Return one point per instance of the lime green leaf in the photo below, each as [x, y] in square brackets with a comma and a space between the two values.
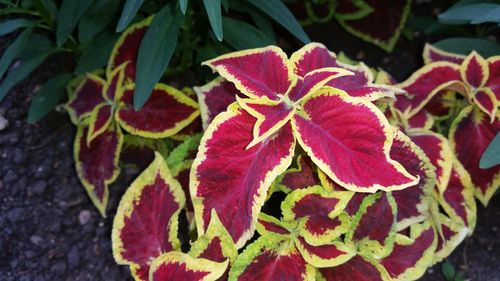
[448, 271]
[70, 13]
[241, 35]
[129, 11]
[96, 53]
[280, 13]
[20, 72]
[181, 152]
[97, 18]
[465, 14]
[463, 46]
[14, 49]
[48, 97]
[155, 52]
[214, 16]
[491, 157]
[184, 5]
[8, 26]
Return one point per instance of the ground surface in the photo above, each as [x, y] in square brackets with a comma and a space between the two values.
[49, 229]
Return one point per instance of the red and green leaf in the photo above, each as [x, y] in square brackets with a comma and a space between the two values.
[177, 266]
[421, 120]
[374, 236]
[139, 152]
[214, 98]
[87, 95]
[432, 54]
[166, 112]
[349, 139]
[127, 48]
[261, 72]
[99, 121]
[412, 202]
[267, 224]
[358, 268]
[146, 222]
[325, 255]
[485, 99]
[270, 258]
[453, 233]
[410, 257]
[315, 56]
[474, 70]
[298, 177]
[470, 134]
[321, 212]
[349, 9]
[458, 198]
[97, 163]
[114, 83]
[234, 180]
[382, 26]
[426, 83]
[438, 150]
[493, 82]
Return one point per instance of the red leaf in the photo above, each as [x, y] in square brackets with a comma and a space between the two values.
[86, 97]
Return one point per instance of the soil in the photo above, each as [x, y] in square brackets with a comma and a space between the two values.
[49, 229]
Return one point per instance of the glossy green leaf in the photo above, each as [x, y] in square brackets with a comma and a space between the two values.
[8, 26]
[37, 44]
[280, 13]
[128, 13]
[241, 35]
[465, 14]
[155, 52]
[463, 45]
[20, 72]
[213, 9]
[99, 15]
[70, 13]
[263, 23]
[448, 271]
[96, 53]
[14, 49]
[183, 4]
[491, 156]
[48, 97]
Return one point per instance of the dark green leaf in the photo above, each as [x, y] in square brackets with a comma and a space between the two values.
[97, 18]
[184, 5]
[491, 16]
[48, 97]
[38, 44]
[96, 54]
[280, 13]
[448, 271]
[155, 52]
[459, 277]
[241, 35]
[463, 45]
[465, 14]
[70, 13]
[225, 5]
[20, 72]
[129, 11]
[491, 157]
[14, 49]
[47, 10]
[8, 26]
[213, 9]
[262, 23]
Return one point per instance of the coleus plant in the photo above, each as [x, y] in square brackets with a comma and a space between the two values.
[326, 230]
[470, 119]
[102, 107]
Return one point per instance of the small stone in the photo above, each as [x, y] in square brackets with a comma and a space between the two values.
[3, 122]
[41, 172]
[58, 268]
[39, 187]
[15, 215]
[84, 217]
[30, 254]
[19, 156]
[73, 257]
[39, 278]
[35, 239]
[10, 177]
